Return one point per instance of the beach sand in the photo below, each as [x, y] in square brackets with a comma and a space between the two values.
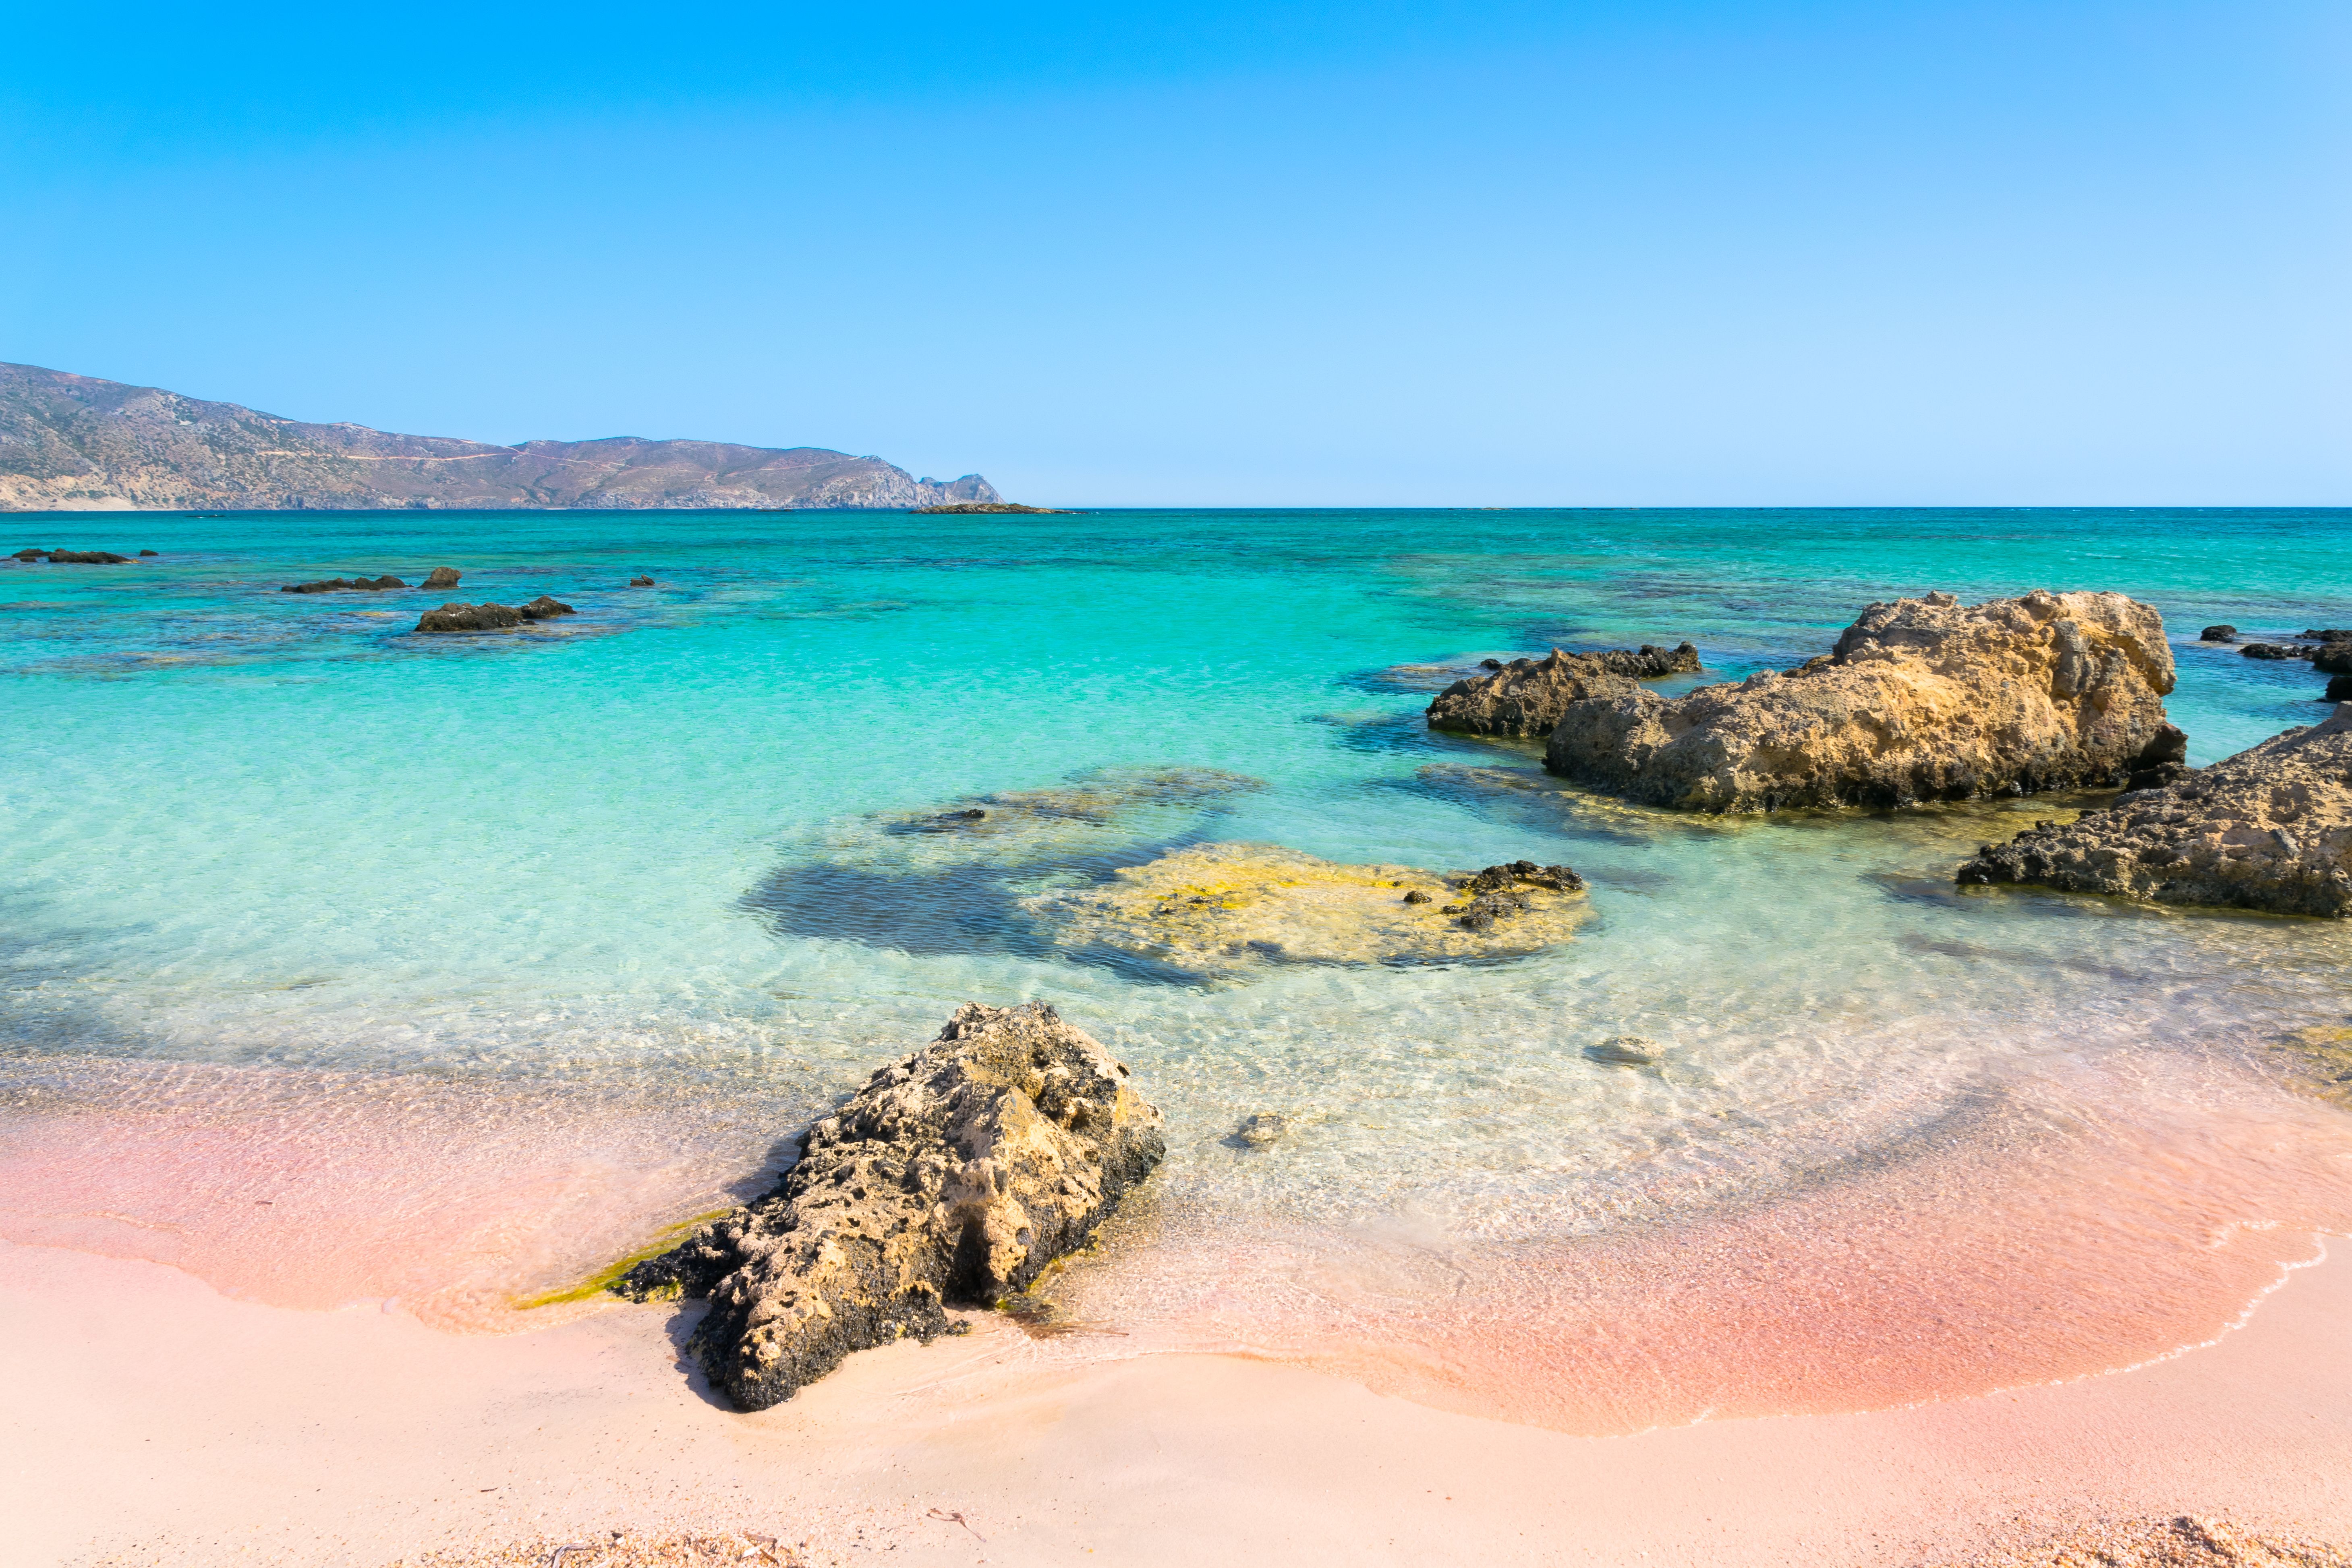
[152, 1419]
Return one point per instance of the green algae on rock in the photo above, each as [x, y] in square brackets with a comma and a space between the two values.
[957, 1174]
[1218, 908]
[2270, 829]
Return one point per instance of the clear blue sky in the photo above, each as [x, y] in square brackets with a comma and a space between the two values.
[1269, 253]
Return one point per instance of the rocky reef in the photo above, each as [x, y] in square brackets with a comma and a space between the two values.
[1217, 909]
[456, 617]
[955, 1174]
[2270, 829]
[1527, 695]
[1920, 699]
[78, 557]
[344, 584]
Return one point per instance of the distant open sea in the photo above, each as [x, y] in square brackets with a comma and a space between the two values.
[342, 964]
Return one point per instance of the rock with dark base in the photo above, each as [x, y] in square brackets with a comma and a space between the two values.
[87, 557]
[2270, 829]
[2333, 658]
[1526, 696]
[955, 1176]
[344, 584]
[640, 582]
[545, 607]
[442, 577]
[456, 617]
[2339, 690]
[2217, 634]
[2275, 650]
[1921, 700]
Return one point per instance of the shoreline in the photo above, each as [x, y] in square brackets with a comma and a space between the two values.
[201, 1428]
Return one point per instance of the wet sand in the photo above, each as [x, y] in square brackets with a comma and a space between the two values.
[153, 1420]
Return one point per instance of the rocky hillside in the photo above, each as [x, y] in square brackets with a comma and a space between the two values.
[73, 443]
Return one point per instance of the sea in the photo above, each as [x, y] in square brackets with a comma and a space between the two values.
[352, 968]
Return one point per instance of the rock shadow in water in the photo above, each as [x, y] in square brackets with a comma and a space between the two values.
[952, 878]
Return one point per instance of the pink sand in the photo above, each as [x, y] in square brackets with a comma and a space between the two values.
[153, 1420]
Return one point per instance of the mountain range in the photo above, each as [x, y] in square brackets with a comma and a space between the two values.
[72, 443]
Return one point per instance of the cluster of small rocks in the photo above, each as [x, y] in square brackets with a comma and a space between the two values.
[490, 617]
[78, 557]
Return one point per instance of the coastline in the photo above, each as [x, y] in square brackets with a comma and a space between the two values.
[177, 1425]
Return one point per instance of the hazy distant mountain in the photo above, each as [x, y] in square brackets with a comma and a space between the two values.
[74, 442]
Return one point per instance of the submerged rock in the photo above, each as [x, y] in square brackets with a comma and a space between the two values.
[1217, 908]
[147, 553]
[1260, 1130]
[2270, 829]
[456, 617]
[2275, 650]
[1626, 1051]
[442, 577]
[344, 584]
[640, 582]
[2217, 634]
[956, 1174]
[1526, 696]
[1921, 700]
[87, 557]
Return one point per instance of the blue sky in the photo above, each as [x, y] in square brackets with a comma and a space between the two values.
[1671, 253]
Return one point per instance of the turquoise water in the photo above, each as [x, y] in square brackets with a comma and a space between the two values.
[647, 856]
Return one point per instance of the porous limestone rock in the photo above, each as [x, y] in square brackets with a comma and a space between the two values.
[1921, 700]
[442, 577]
[2270, 829]
[455, 618]
[1526, 696]
[956, 1174]
[1219, 909]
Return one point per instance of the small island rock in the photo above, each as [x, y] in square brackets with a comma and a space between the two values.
[344, 584]
[640, 582]
[2217, 634]
[1921, 700]
[442, 577]
[2270, 829]
[87, 557]
[545, 607]
[456, 617]
[1526, 696]
[956, 1174]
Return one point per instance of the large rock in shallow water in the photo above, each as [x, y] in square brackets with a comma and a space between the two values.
[1921, 700]
[956, 1174]
[456, 617]
[1526, 696]
[2270, 829]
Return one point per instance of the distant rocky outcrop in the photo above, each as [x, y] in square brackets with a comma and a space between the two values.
[78, 557]
[956, 1174]
[74, 442]
[344, 584]
[1526, 696]
[442, 577]
[2270, 829]
[1217, 909]
[1921, 700]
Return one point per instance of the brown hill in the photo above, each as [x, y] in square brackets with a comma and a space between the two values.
[75, 443]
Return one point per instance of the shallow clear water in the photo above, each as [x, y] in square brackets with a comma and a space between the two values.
[643, 870]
